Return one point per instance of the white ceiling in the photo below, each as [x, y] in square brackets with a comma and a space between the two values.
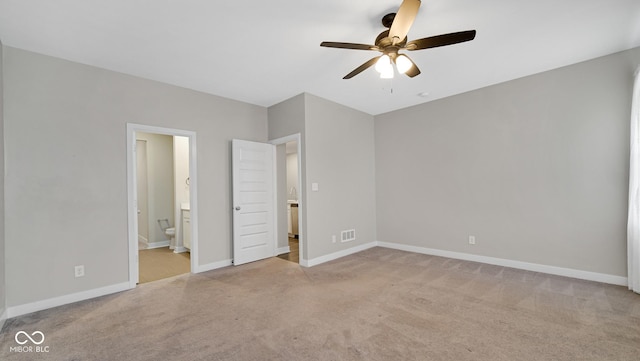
[263, 52]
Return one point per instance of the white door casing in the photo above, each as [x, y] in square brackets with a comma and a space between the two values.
[132, 213]
[142, 191]
[254, 206]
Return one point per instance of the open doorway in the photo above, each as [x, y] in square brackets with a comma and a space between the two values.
[163, 205]
[288, 164]
[161, 183]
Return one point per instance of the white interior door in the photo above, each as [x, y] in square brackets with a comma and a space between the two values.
[253, 201]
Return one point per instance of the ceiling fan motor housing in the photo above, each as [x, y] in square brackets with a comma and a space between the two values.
[387, 20]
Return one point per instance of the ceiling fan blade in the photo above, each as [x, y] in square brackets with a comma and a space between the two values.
[403, 20]
[441, 40]
[331, 44]
[362, 68]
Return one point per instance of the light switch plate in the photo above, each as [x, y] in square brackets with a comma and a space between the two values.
[314, 187]
[79, 271]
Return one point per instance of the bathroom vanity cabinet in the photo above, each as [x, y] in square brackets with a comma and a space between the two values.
[186, 228]
[292, 216]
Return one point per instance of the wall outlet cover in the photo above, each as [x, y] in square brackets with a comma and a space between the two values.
[79, 271]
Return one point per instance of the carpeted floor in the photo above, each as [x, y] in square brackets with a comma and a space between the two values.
[379, 304]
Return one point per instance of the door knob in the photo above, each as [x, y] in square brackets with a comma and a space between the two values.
[237, 208]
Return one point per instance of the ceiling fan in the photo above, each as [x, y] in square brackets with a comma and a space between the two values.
[390, 41]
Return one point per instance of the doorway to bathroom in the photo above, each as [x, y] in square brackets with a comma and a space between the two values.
[162, 207]
[288, 168]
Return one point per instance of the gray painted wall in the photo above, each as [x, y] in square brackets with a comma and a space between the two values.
[285, 119]
[292, 176]
[535, 168]
[338, 154]
[3, 300]
[66, 182]
[340, 158]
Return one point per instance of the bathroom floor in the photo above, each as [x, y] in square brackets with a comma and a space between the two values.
[159, 263]
[293, 255]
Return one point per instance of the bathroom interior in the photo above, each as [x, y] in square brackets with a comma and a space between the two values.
[164, 231]
[292, 202]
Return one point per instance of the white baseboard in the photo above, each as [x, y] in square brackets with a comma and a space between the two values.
[180, 249]
[153, 245]
[535, 267]
[282, 250]
[20, 310]
[3, 318]
[336, 255]
[212, 266]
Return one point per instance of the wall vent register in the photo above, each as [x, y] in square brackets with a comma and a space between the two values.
[348, 235]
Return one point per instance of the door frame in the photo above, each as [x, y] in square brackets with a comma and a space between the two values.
[301, 207]
[144, 182]
[132, 207]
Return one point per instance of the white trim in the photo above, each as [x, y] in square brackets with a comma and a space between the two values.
[132, 207]
[181, 249]
[274, 198]
[535, 267]
[301, 204]
[16, 311]
[336, 255]
[132, 128]
[3, 318]
[153, 245]
[282, 250]
[213, 266]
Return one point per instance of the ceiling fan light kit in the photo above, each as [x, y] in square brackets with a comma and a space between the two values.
[390, 41]
[383, 65]
[403, 64]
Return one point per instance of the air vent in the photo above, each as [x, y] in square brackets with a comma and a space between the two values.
[348, 235]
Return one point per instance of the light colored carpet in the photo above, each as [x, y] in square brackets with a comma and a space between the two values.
[379, 304]
[159, 263]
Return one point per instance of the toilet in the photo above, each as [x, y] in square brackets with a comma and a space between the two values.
[170, 232]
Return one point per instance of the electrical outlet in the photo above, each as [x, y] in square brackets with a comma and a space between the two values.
[333, 239]
[472, 239]
[79, 270]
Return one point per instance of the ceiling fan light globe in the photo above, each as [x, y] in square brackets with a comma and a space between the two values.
[403, 63]
[387, 73]
[384, 64]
